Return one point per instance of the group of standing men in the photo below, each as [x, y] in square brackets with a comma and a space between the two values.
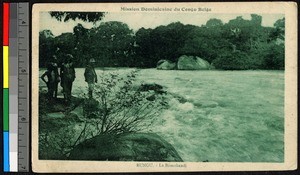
[66, 77]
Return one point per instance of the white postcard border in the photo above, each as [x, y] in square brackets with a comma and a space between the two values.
[290, 136]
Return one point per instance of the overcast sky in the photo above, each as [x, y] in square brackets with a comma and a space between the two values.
[137, 20]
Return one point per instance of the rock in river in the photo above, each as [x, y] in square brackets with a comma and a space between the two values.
[192, 63]
[165, 65]
[126, 147]
[152, 87]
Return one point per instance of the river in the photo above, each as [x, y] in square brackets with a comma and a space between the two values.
[229, 116]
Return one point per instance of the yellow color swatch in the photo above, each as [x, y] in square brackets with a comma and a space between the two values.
[5, 67]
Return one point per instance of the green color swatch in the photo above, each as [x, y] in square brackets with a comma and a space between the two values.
[5, 109]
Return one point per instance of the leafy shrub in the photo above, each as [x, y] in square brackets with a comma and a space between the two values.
[122, 107]
[118, 106]
[274, 58]
[232, 61]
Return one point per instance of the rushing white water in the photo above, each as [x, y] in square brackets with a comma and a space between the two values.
[229, 116]
[232, 116]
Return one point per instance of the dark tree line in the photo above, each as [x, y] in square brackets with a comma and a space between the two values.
[237, 45]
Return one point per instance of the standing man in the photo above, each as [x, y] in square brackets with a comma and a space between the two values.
[90, 76]
[52, 79]
[67, 74]
[57, 78]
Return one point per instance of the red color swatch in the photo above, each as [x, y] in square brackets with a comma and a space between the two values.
[5, 24]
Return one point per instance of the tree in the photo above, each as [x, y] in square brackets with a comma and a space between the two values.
[46, 34]
[214, 22]
[205, 42]
[65, 44]
[84, 16]
[280, 24]
[82, 46]
[163, 42]
[278, 32]
[238, 32]
[46, 47]
[232, 61]
[274, 57]
[144, 48]
[256, 19]
[112, 44]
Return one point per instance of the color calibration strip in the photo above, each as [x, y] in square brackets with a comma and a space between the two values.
[22, 67]
[13, 87]
[6, 162]
[16, 87]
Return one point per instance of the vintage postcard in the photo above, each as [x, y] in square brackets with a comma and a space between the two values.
[164, 87]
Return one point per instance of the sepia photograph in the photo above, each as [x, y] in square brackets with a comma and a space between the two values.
[169, 84]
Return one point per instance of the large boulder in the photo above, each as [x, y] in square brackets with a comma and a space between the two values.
[125, 147]
[192, 63]
[152, 87]
[165, 65]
